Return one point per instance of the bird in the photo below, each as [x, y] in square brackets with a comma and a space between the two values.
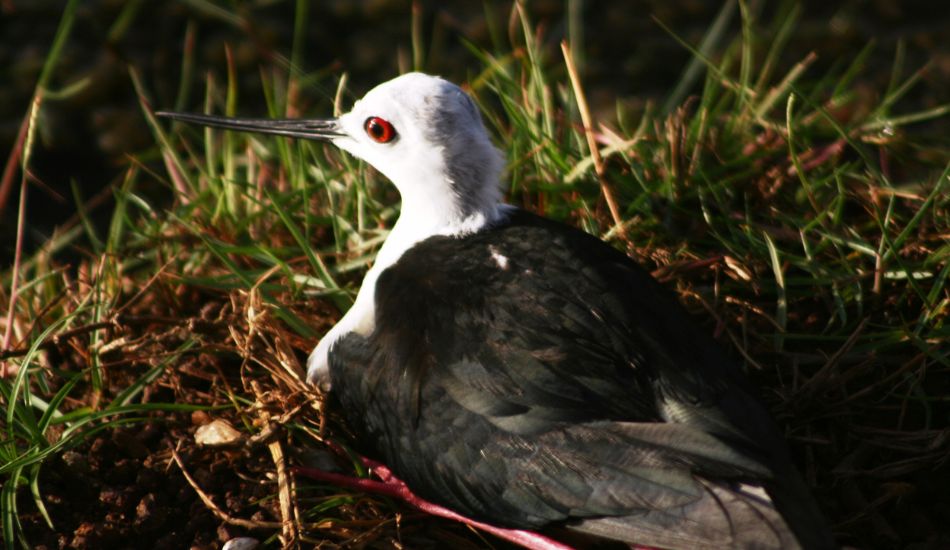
[525, 374]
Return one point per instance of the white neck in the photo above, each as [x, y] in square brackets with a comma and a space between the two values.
[422, 216]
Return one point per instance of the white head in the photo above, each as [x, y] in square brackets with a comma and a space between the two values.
[422, 132]
[426, 135]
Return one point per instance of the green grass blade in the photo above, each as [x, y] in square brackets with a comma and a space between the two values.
[711, 41]
[341, 300]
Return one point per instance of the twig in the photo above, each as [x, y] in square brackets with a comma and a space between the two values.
[824, 373]
[221, 514]
[115, 321]
[148, 284]
[667, 272]
[39, 315]
[284, 484]
[591, 141]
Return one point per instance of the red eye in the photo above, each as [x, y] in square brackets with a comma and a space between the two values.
[379, 129]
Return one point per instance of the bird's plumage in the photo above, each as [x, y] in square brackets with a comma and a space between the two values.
[561, 385]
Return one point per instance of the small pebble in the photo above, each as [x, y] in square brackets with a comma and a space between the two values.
[217, 433]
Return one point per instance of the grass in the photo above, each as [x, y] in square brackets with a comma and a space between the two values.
[805, 225]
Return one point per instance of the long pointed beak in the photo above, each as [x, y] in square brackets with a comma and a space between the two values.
[316, 129]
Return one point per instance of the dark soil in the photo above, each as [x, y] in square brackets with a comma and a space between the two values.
[123, 490]
[121, 487]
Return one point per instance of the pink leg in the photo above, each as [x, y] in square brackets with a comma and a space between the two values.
[394, 487]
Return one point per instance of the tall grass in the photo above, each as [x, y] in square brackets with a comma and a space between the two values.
[803, 225]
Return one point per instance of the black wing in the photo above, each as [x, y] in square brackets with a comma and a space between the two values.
[531, 374]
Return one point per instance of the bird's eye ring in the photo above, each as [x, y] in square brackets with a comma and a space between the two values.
[379, 130]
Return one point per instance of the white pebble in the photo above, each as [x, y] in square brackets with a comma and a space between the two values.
[217, 433]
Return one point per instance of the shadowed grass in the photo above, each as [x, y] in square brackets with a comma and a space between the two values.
[800, 222]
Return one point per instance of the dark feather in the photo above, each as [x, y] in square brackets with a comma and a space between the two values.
[565, 386]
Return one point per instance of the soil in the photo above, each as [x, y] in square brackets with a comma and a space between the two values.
[122, 488]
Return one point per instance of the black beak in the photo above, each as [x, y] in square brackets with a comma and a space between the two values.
[317, 129]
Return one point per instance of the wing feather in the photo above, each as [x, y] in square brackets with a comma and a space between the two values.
[566, 386]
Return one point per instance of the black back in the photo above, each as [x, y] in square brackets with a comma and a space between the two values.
[530, 374]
